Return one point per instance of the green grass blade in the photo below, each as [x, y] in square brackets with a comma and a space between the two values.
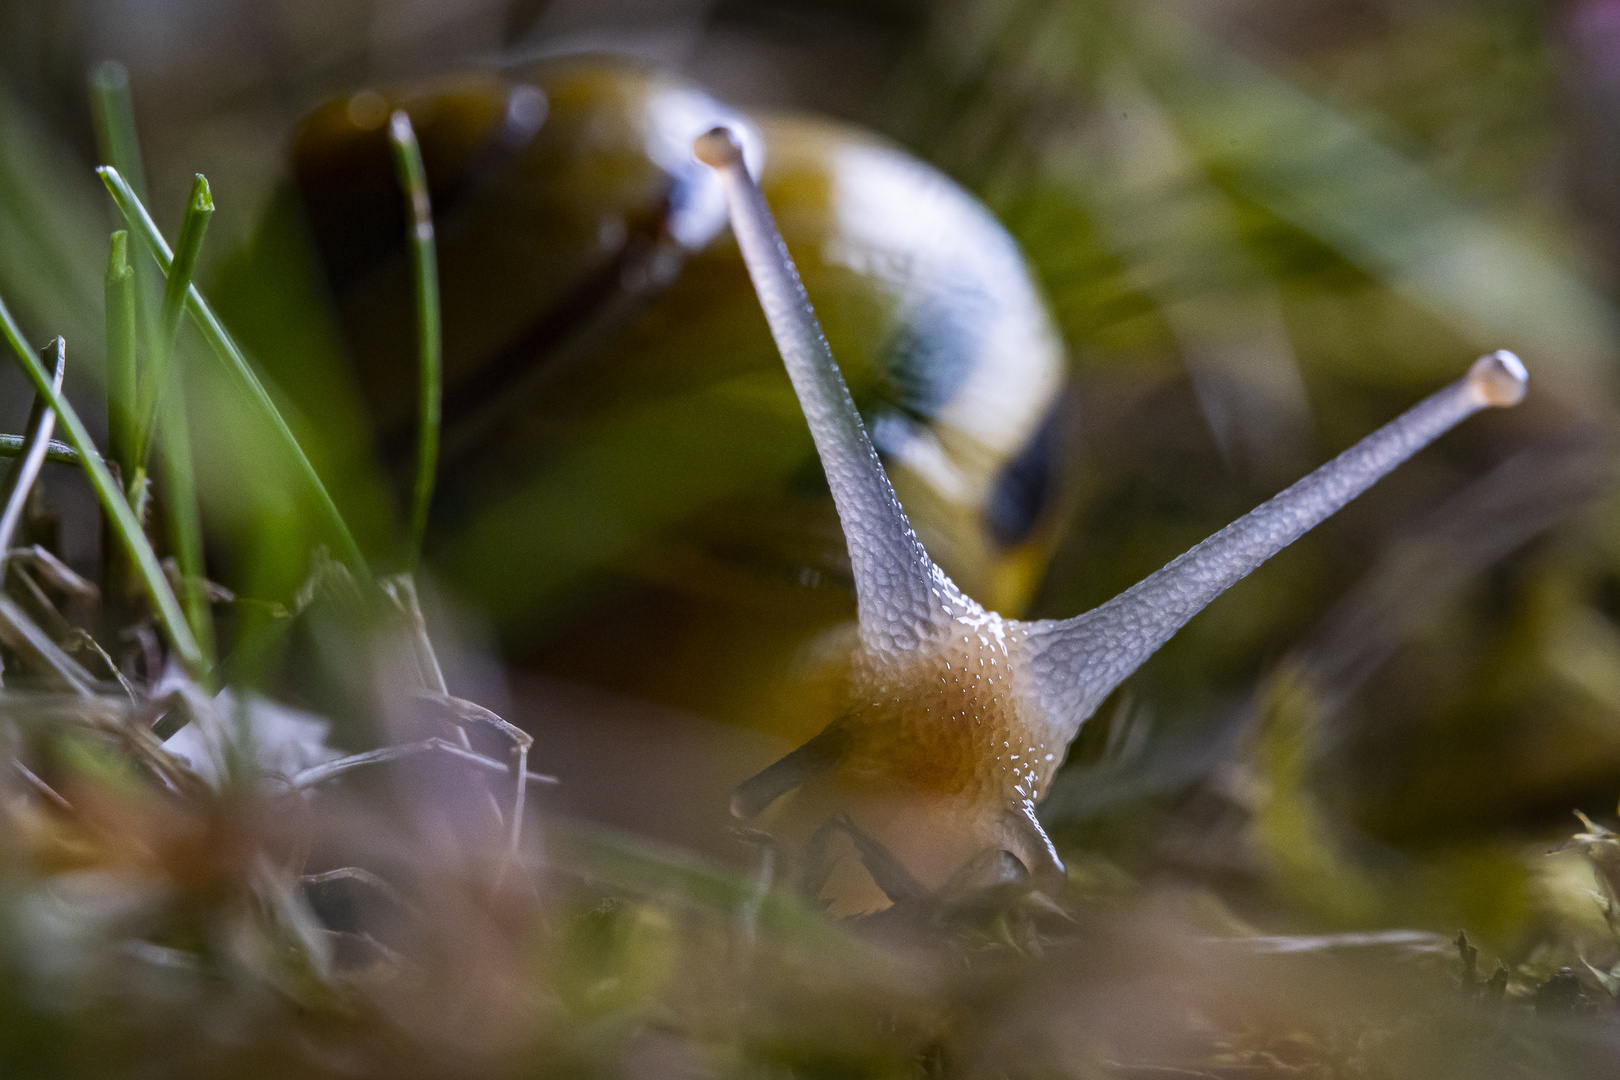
[199, 211]
[50, 234]
[164, 604]
[121, 337]
[155, 380]
[25, 470]
[55, 451]
[119, 144]
[115, 122]
[236, 362]
[164, 385]
[113, 108]
[184, 520]
[430, 362]
[168, 386]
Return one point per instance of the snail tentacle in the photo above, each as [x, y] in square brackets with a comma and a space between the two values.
[1073, 664]
[1030, 844]
[812, 759]
[888, 873]
[904, 599]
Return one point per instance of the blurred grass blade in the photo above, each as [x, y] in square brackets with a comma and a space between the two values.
[114, 112]
[121, 359]
[165, 607]
[113, 108]
[237, 364]
[50, 232]
[184, 520]
[24, 470]
[1178, 233]
[1317, 169]
[45, 656]
[425, 277]
[643, 867]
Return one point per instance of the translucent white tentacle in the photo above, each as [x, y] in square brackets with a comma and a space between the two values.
[902, 595]
[1073, 664]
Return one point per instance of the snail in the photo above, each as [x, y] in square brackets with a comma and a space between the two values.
[599, 324]
[956, 718]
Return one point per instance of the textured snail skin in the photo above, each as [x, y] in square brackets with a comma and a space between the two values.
[958, 718]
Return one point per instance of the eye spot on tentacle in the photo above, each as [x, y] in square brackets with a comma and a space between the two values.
[1499, 379]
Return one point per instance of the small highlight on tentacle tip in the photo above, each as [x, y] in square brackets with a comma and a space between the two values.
[718, 148]
[1498, 379]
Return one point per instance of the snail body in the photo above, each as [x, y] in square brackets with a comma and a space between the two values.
[909, 783]
[581, 255]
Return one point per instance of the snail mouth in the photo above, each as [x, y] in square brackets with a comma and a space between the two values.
[858, 853]
[890, 802]
[814, 758]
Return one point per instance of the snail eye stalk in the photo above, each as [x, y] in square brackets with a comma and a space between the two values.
[1074, 663]
[902, 595]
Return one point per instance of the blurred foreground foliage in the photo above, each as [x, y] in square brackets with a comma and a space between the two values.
[1262, 233]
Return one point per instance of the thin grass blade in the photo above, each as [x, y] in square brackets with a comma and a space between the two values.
[56, 450]
[114, 112]
[119, 145]
[425, 278]
[154, 383]
[163, 397]
[24, 470]
[45, 656]
[121, 355]
[184, 519]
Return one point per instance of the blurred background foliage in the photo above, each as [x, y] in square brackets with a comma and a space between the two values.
[1262, 228]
